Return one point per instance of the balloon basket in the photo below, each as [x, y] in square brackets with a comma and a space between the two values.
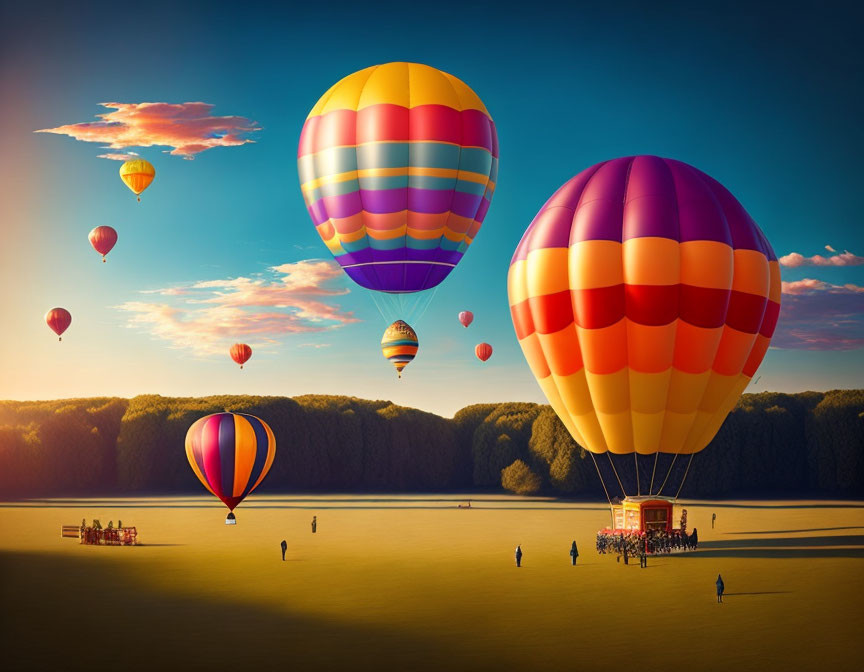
[230, 519]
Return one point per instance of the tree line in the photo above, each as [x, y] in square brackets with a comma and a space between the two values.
[771, 444]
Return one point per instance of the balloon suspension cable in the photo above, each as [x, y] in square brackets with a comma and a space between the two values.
[608, 499]
[690, 461]
[651, 487]
[638, 487]
[615, 471]
[668, 473]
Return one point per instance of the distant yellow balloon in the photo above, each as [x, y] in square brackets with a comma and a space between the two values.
[137, 174]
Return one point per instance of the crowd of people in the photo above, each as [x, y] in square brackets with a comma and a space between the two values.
[110, 536]
[632, 543]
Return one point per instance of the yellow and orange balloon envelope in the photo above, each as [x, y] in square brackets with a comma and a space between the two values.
[399, 345]
[644, 298]
[230, 454]
[137, 174]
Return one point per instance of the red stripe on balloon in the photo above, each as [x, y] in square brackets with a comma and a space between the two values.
[745, 311]
[769, 321]
[394, 123]
[650, 305]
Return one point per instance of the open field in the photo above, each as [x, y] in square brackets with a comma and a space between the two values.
[413, 583]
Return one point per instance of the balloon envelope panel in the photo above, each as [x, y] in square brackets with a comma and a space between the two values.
[397, 164]
[644, 298]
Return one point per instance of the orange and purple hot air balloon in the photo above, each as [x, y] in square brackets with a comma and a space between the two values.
[240, 353]
[483, 351]
[103, 239]
[466, 317]
[59, 320]
[230, 454]
[644, 298]
[397, 166]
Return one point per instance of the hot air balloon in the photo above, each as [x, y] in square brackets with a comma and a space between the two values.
[399, 345]
[230, 454]
[59, 320]
[137, 174]
[483, 351]
[240, 353]
[103, 239]
[397, 164]
[466, 317]
[644, 298]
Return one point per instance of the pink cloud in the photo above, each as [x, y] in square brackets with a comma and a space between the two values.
[794, 260]
[188, 128]
[210, 315]
[817, 315]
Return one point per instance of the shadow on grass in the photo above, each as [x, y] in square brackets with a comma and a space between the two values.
[764, 592]
[838, 546]
[785, 542]
[813, 529]
[66, 613]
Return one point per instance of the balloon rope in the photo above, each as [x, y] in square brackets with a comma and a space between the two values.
[638, 487]
[685, 475]
[668, 473]
[621, 485]
[608, 499]
[651, 487]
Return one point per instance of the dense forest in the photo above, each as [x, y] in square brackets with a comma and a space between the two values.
[771, 444]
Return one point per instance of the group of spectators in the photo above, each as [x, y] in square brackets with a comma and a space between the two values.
[629, 543]
[111, 536]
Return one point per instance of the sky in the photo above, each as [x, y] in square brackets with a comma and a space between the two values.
[221, 248]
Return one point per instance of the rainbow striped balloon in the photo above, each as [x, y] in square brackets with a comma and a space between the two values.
[397, 166]
[644, 298]
[399, 345]
[230, 454]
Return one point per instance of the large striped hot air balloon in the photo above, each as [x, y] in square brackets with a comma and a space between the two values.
[644, 298]
[230, 454]
[397, 166]
[137, 174]
[399, 345]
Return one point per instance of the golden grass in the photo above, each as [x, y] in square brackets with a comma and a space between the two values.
[408, 583]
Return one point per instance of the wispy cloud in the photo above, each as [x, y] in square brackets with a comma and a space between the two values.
[118, 156]
[187, 128]
[817, 315]
[846, 258]
[208, 316]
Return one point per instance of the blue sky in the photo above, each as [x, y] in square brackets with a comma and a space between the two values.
[767, 102]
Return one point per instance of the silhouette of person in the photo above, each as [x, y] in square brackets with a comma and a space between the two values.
[314, 524]
[284, 546]
[720, 588]
[713, 518]
[574, 553]
[519, 556]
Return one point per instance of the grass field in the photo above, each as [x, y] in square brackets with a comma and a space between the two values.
[414, 583]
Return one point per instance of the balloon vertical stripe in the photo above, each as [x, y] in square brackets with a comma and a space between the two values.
[227, 453]
[263, 459]
[245, 454]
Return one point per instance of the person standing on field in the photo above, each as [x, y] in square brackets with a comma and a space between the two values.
[519, 556]
[284, 546]
[713, 518]
[720, 588]
[314, 524]
[574, 553]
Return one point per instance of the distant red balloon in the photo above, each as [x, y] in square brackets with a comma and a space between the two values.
[466, 317]
[103, 239]
[240, 353]
[483, 351]
[59, 320]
